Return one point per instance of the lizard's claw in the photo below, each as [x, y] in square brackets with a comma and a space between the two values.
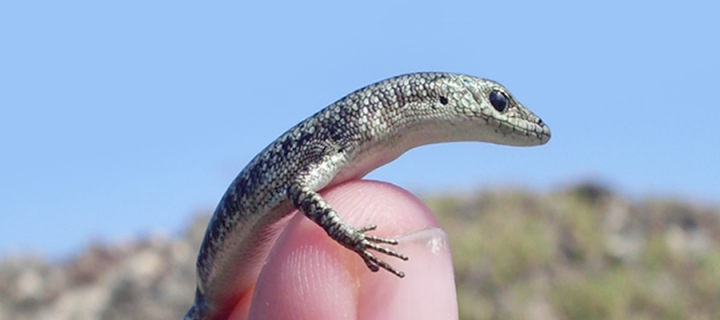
[365, 242]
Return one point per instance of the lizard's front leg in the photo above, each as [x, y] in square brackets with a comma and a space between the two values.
[313, 206]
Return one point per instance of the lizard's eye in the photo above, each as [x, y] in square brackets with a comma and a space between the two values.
[498, 100]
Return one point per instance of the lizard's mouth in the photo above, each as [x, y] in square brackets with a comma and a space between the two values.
[526, 133]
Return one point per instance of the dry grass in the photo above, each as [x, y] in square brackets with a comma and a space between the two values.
[582, 253]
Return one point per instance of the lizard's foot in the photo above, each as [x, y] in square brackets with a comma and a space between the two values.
[361, 243]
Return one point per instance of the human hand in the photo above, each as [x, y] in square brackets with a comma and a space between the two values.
[310, 276]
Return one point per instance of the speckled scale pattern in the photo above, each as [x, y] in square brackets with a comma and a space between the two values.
[346, 123]
[347, 139]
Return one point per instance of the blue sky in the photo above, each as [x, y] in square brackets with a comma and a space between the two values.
[117, 119]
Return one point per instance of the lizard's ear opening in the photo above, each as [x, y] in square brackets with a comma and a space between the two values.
[443, 100]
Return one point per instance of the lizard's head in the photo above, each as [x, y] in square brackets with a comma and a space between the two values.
[483, 110]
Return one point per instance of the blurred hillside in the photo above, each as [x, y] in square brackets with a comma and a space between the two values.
[576, 253]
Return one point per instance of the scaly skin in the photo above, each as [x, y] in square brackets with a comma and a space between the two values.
[360, 132]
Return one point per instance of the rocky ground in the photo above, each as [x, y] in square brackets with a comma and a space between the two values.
[577, 253]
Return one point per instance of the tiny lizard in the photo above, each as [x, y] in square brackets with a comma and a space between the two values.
[346, 140]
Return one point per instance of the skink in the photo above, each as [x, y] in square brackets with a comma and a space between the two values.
[360, 132]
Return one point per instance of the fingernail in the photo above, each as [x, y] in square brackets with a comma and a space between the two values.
[435, 239]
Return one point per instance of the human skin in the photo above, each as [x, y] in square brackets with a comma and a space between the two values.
[310, 276]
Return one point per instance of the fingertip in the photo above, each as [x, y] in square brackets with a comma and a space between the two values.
[305, 277]
[310, 276]
[426, 292]
[394, 210]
